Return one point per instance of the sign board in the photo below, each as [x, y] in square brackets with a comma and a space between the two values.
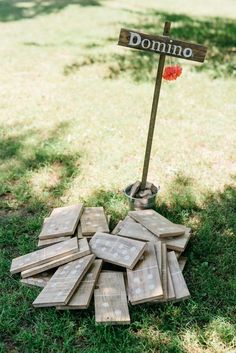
[165, 46]
[162, 45]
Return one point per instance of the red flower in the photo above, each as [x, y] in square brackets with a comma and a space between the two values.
[172, 72]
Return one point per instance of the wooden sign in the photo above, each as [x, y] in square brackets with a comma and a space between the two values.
[165, 46]
[117, 250]
[40, 257]
[162, 45]
[62, 221]
[110, 299]
[144, 281]
[63, 283]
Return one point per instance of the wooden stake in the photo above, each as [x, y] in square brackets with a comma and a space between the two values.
[154, 111]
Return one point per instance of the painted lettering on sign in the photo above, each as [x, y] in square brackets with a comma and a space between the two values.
[162, 45]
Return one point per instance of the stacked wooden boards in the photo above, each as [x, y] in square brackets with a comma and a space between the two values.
[139, 262]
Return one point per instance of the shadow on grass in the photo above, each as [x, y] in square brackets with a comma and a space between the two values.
[21, 162]
[218, 34]
[13, 10]
[165, 328]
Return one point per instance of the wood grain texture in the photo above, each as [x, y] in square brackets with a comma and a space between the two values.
[40, 257]
[198, 51]
[182, 262]
[135, 188]
[164, 271]
[79, 231]
[63, 283]
[120, 224]
[171, 292]
[62, 221]
[144, 281]
[93, 220]
[156, 224]
[136, 231]
[83, 294]
[180, 287]
[42, 243]
[40, 280]
[110, 299]
[117, 250]
[158, 254]
[83, 250]
[178, 243]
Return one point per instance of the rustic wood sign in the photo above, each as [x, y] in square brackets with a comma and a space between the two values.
[163, 45]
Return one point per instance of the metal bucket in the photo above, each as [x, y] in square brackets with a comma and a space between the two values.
[139, 204]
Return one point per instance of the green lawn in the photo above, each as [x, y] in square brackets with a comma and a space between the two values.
[74, 113]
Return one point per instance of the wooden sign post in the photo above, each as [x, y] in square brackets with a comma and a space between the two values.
[162, 45]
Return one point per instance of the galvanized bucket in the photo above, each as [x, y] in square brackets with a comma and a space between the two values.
[140, 204]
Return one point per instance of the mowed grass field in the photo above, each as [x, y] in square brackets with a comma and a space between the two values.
[74, 113]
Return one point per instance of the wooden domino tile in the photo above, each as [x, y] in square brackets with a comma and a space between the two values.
[42, 243]
[164, 271]
[117, 250]
[110, 299]
[180, 287]
[83, 249]
[144, 281]
[44, 255]
[182, 262]
[93, 220]
[63, 283]
[62, 221]
[83, 294]
[155, 223]
[136, 231]
[40, 280]
[179, 243]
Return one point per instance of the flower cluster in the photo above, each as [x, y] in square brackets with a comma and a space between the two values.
[172, 72]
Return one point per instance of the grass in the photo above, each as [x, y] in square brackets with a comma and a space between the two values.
[73, 124]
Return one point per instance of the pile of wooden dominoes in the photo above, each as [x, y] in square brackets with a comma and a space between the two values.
[139, 261]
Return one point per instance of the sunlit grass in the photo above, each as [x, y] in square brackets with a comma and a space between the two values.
[74, 114]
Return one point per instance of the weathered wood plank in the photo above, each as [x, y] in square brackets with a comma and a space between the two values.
[136, 231]
[156, 224]
[162, 45]
[63, 283]
[182, 262]
[180, 287]
[110, 299]
[93, 220]
[83, 250]
[40, 257]
[79, 231]
[164, 272]
[43, 243]
[135, 188]
[144, 282]
[117, 250]
[178, 243]
[83, 294]
[40, 280]
[120, 224]
[62, 221]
